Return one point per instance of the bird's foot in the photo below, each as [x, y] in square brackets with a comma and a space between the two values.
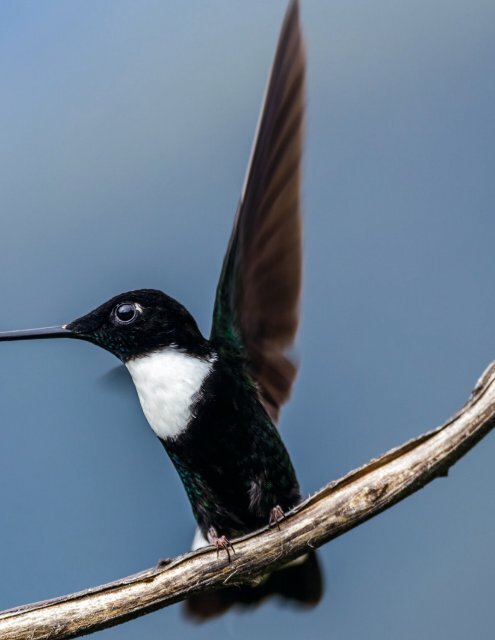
[276, 516]
[222, 543]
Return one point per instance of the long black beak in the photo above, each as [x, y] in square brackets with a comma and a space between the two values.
[37, 334]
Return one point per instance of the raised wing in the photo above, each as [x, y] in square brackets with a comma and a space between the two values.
[257, 300]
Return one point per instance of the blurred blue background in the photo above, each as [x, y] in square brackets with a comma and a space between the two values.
[125, 131]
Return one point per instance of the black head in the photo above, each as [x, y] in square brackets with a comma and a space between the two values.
[130, 325]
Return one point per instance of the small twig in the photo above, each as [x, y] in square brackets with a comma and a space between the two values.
[340, 506]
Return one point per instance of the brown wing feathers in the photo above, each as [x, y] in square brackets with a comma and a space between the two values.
[261, 277]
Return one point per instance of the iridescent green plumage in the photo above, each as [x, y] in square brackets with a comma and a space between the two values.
[231, 458]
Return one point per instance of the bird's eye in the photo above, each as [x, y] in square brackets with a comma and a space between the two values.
[125, 313]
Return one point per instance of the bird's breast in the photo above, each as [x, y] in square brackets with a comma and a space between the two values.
[168, 383]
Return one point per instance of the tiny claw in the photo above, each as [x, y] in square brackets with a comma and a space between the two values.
[225, 544]
[220, 542]
[276, 516]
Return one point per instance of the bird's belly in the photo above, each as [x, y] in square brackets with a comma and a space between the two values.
[233, 486]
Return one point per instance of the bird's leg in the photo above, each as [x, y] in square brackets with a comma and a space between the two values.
[276, 516]
[220, 542]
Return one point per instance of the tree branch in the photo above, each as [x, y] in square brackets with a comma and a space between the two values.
[338, 507]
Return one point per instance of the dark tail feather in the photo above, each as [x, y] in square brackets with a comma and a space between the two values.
[301, 584]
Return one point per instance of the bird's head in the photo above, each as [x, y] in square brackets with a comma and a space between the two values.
[129, 325]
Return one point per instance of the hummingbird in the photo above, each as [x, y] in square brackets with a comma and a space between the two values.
[214, 402]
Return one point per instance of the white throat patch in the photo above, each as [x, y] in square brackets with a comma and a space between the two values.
[166, 382]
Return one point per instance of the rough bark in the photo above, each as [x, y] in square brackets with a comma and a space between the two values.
[338, 507]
